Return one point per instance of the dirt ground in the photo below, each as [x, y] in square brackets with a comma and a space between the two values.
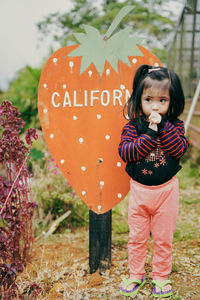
[59, 265]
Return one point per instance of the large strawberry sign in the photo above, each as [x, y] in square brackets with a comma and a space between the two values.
[82, 92]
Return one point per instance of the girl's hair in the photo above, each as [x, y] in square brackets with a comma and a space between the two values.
[141, 82]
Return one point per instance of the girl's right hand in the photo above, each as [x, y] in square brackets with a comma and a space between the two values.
[154, 120]
[153, 126]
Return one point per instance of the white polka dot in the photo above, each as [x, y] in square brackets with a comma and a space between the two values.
[101, 183]
[62, 161]
[64, 86]
[90, 73]
[51, 136]
[122, 86]
[45, 110]
[83, 193]
[75, 118]
[55, 60]
[45, 85]
[156, 64]
[107, 137]
[81, 140]
[108, 72]
[127, 117]
[134, 60]
[119, 164]
[98, 116]
[83, 168]
[119, 195]
[71, 64]
[99, 207]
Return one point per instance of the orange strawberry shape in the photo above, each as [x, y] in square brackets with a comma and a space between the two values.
[82, 91]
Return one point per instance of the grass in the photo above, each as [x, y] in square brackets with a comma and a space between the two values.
[175, 267]
[65, 273]
[176, 296]
[119, 242]
[121, 227]
[189, 176]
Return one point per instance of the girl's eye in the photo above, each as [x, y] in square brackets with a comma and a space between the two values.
[148, 100]
[163, 100]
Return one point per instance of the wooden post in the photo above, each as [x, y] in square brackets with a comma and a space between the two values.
[100, 232]
[192, 107]
[192, 87]
[180, 56]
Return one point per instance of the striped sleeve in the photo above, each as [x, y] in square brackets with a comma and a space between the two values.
[133, 147]
[173, 139]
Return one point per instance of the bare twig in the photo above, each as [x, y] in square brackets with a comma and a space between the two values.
[12, 187]
[54, 225]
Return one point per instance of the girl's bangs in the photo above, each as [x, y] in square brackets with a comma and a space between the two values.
[163, 84]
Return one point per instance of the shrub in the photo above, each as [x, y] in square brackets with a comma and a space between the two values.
[55, 196]
[16, 207]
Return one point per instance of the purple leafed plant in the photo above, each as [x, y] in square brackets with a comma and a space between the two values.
[16, 205]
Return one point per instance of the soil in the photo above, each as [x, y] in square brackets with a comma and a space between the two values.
[60, 267]
[59, 264]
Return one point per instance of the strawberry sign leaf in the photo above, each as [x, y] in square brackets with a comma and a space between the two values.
[82, 92]
[95, 49]
[123, 12]
[120, 46]
[92, 49]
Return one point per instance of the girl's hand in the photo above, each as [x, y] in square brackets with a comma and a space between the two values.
[154, 120]
[153, 126]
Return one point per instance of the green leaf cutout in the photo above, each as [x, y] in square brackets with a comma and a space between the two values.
[94, 49]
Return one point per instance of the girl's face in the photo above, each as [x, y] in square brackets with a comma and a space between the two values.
[155, 97]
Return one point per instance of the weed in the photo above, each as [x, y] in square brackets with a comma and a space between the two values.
[55, 195]
[121, 227]
[176, 296]
[16, 207]
[180, 235]
[189, 175]
[175, 267]
[124, 257]
[119, 242]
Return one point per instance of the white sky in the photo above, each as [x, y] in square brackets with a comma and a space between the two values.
[19, 36]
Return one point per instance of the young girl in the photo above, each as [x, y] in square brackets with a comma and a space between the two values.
[152, 144]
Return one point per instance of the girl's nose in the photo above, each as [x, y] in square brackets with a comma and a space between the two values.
[155, 107]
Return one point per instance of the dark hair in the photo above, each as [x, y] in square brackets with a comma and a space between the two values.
[177, 98]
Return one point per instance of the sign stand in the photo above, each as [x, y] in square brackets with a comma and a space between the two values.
[100, 232]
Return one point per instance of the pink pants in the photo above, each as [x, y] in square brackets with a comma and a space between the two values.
[155, 209]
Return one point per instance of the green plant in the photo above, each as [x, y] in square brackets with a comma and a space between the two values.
[180, 235]
[121, 227]
[175, 267]
[176, 296]
[23, 94]
[119, 242]
[16, 207]
[54, 196]
[189, 174]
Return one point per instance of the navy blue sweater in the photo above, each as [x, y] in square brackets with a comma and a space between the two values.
[153, 156]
